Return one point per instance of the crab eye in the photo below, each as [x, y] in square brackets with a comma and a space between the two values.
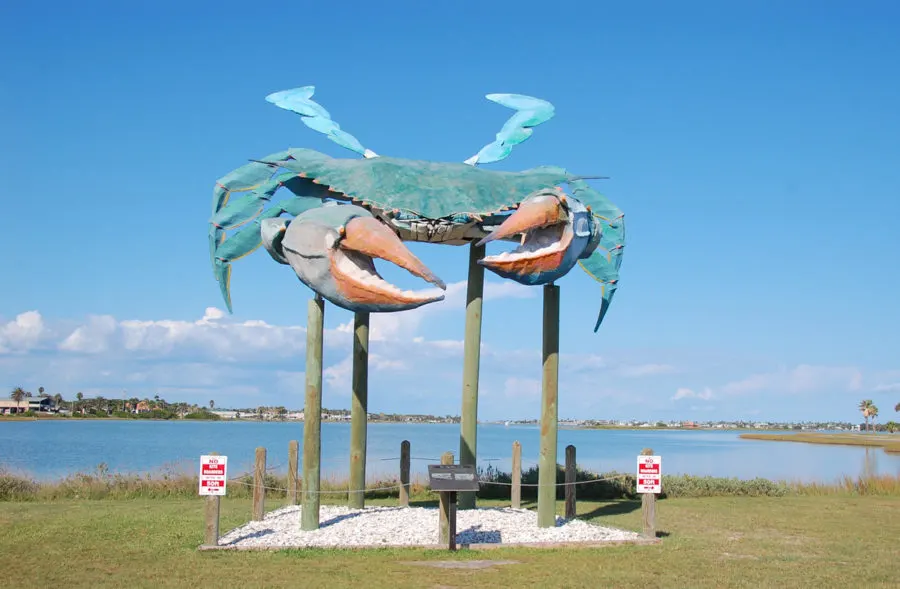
[581, 227]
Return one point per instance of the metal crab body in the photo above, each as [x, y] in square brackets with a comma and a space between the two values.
[421, 201]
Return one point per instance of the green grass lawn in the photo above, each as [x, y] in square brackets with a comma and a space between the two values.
[811, 541]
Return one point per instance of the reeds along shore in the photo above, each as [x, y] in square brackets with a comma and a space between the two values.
[102, 484]
[890, 443]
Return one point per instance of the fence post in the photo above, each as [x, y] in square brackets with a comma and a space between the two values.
[293, 453]
[404, 473]
[212, 516]
[648, 506]
[259, 485]
[570, 482]
[444, 536]
[515, 492]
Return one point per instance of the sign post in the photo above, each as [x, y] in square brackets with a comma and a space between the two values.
[649, 483]
[212, 484]
[447, 480]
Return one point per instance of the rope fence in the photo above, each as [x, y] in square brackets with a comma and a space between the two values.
[256, 480]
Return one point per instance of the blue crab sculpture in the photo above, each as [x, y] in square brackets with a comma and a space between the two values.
[347, 212]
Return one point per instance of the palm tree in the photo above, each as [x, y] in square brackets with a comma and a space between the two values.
[865, 407]
[17, 395]
[58, 401]
[873, 413]
[211, 404]
[897, 407]
[40, 391]
[80, 397]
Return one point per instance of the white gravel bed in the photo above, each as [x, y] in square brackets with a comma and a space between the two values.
[411, 526]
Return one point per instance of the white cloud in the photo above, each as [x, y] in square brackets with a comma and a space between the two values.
[639, 370]
[521, 388]
[686, 393]
[803, 378]
[888, 388]
[93, 337]
[23, 333]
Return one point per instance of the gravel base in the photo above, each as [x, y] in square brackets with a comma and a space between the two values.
[412, 526]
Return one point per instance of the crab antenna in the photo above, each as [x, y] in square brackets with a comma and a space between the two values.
[530, 112]
[314, 116]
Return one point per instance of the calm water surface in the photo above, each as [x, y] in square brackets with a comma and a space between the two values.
[51, 449]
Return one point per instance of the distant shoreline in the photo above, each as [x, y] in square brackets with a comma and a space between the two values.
[562, 426]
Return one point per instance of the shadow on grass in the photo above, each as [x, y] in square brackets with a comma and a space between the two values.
[616, 508]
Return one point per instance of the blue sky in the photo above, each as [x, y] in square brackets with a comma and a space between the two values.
[754, 151]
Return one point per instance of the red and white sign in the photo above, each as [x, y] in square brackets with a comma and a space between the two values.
[212, 475]
[649, 474]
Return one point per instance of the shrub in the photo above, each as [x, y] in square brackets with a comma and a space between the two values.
[206, 415]
[16, 488]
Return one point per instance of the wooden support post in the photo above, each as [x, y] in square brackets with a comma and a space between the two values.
[259, 485]
[444, 497]
[213, 503]
[515, 492]
[648, 506]
[468, 425]
[404, 473]
[359, 411]
[293, 457]
[570, 482]
[312, 416]
[549, 410]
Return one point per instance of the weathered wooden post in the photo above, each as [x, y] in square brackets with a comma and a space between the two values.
[648, 506]
[359, 411]
[259, 485]
[293, 457]
[549, 410]
[404, 473]
[213, 504]
[312, 416]
[570, 481]
[515, 492]
[212, 520]
[471, 362]
[447, 535]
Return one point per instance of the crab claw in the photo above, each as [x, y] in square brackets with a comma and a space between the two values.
[556, 230]
[332, 250]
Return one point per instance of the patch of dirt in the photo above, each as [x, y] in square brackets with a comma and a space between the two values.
[460, 564]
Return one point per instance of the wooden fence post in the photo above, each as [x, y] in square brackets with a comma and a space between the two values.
[293, 454]
[404, 473]
[444, 536]
[515, 492]
[648, 506]
[570, 482]
[259, 485]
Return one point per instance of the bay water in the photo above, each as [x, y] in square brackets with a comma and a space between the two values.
[49, 450]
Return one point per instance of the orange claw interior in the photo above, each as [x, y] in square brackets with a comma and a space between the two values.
[356, 278]
[542, 221]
